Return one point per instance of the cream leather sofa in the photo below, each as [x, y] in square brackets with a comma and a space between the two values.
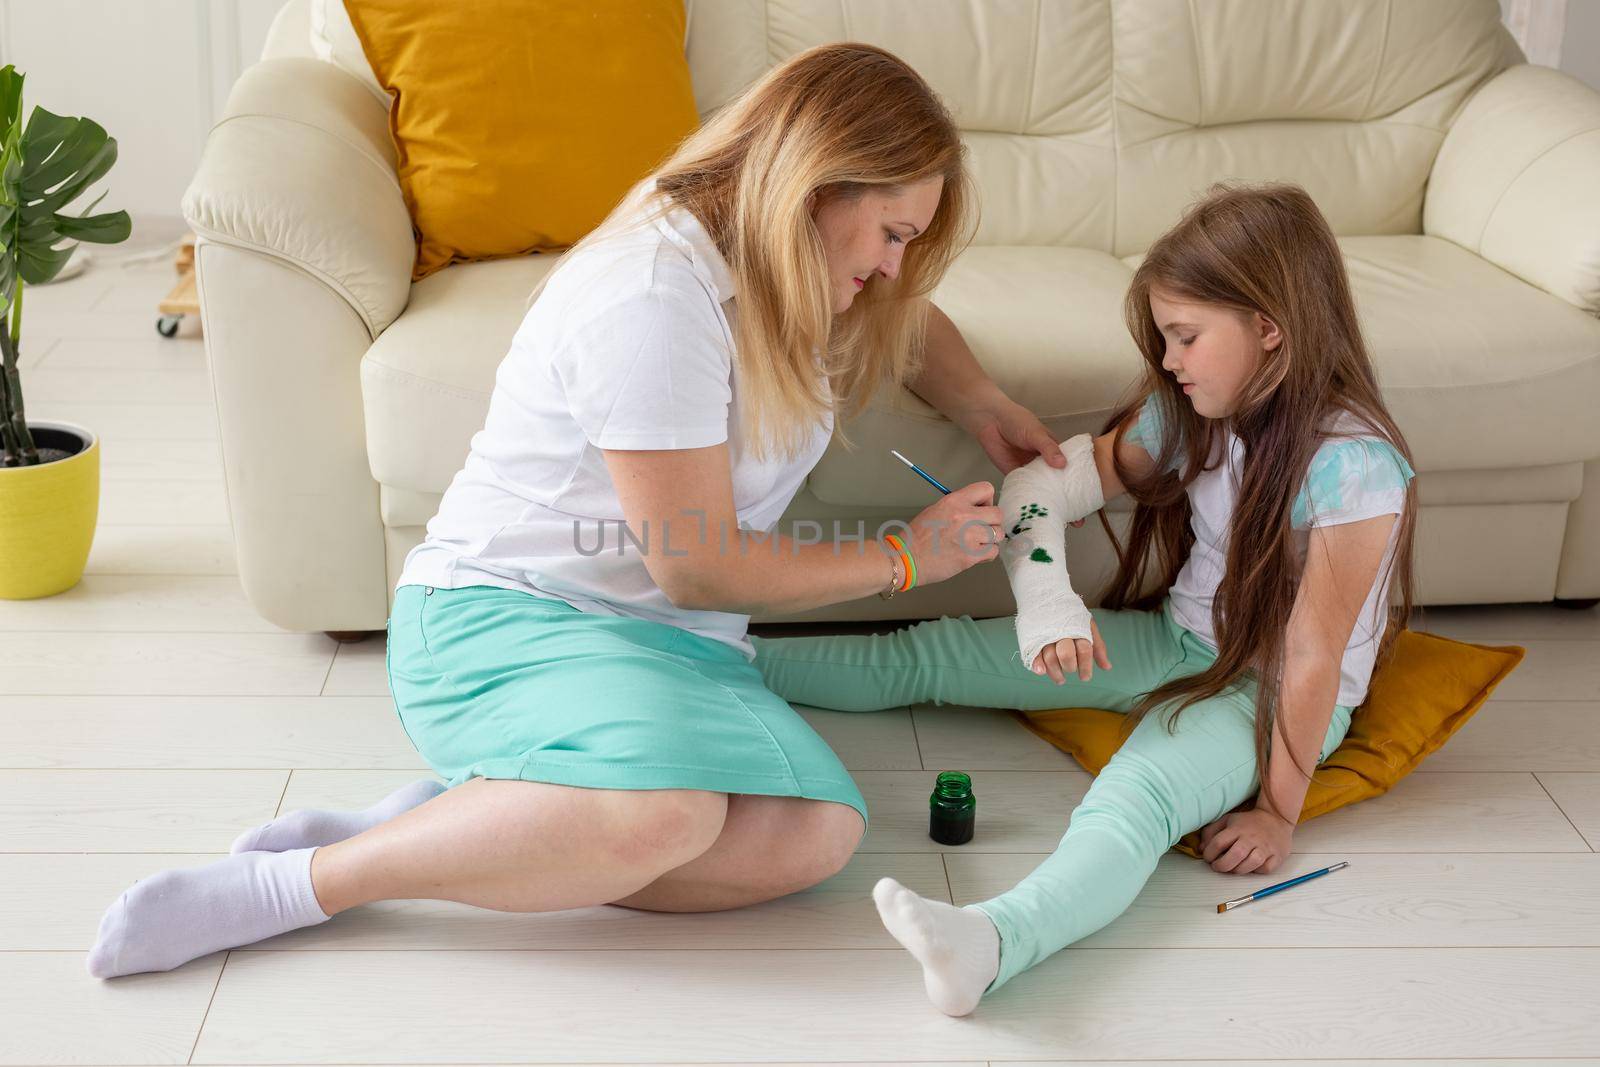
[1465, 186]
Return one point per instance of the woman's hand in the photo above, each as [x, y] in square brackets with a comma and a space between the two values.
[1074, 655]
[1010, 434]
[959, 531]
[1246, 840]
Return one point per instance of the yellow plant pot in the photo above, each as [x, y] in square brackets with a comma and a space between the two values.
[47, 517]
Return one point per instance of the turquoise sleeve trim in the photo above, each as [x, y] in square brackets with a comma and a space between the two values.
[1149, 430]
[1349, 480]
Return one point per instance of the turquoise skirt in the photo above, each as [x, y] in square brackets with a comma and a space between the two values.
[496, 683]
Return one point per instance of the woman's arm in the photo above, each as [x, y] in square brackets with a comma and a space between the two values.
[700, 558]
[952, 381]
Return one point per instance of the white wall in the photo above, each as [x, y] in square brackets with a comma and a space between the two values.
[155, 73]
[1580, 48]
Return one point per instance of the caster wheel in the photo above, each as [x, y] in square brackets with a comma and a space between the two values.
[167, 325]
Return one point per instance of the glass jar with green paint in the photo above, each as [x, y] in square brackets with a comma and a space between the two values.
[952, 809]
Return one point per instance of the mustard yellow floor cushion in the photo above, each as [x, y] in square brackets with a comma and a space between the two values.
[1426, 691]
[520, 123]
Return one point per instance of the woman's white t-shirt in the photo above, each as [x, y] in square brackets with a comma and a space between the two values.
[630, 346]
[1354, 475]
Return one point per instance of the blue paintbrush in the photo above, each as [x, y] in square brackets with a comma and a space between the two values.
[1229, 905]
[924, 475]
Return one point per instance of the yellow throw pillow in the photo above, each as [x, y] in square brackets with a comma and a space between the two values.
[521, 123]
[1429, 687]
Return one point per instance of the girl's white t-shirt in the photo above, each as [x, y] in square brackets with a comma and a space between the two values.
[1354, 475]
[630, 346]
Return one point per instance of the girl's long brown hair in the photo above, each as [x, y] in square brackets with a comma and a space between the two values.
[1266, 249]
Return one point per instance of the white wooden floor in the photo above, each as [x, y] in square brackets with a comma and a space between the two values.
[148, 715]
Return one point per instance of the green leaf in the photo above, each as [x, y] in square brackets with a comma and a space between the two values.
[60, 147]
[67, 191]
[10, 96]
[38, 263]
[44, 166]
[105, 229]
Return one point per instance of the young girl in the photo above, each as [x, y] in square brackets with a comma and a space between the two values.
[1273, 505]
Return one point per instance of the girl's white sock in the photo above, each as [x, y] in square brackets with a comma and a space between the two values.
[959, 948]
[170, 918]
[312, 828]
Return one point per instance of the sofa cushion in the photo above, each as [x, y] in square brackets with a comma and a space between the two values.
[519, 124]
[1477, 365]
[425, 382]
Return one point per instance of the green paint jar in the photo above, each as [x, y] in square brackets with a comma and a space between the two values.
[952, 809]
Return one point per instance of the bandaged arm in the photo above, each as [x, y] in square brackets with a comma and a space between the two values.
[1037, 501]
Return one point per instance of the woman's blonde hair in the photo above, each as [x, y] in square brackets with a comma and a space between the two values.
[832, 122]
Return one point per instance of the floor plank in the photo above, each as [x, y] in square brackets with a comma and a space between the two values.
[136, 502]
[132, 459]
[1554, 670]
[133, 811]
[1578, 796]
[1426, 812]
[162, 550]
[1510, 624]
[1379, 901]
[145, 422]
[59, 1014]
[143, 603]
[175, 664]
[359, 670]
[982, 739]
[1524, 735]
[154, 353]
[288, 1007]
[204, 732]
[111, 385]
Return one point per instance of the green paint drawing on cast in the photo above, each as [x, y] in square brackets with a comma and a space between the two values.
[1039, 555]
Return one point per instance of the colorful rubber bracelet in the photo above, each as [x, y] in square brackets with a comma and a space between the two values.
[906, 557]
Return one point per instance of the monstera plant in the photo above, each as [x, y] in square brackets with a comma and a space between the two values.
[50, 471]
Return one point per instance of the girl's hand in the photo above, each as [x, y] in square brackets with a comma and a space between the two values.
[1074, 655]
[1245, 841]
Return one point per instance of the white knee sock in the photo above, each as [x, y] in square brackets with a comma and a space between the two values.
[313, 828]
[959, 948]
[172, 917]
[1037, 501]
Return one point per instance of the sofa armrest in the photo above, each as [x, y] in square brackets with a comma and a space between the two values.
[1515, 181]
[301, 168]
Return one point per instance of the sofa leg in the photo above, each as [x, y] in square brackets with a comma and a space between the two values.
[1577, 605]
[350, 637]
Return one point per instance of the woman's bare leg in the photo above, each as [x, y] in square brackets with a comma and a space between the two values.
[769, 847]
[521, 846]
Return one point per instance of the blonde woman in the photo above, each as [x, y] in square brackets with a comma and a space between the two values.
[567, 648]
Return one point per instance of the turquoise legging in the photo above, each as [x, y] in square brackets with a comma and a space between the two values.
[1158, 786]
